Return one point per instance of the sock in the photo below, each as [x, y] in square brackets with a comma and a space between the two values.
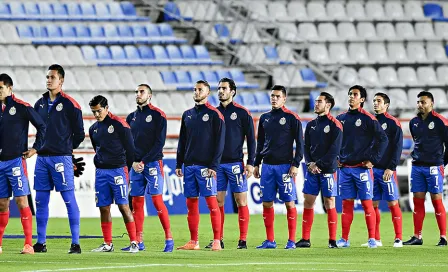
[221, 210]
[369, 214]
[106, 228]
[307, 223]
[193, 217]
[26, 217]
[4, 218]
[419, 216]
[397, 220]
[215, 216]
[162, 212]
[377, 225]
[332, 220]
[130, 227]
[42, 200]
[73, 214]
[439, 211]
[243, 221]
[268, 216]
[347, 217]
[138, 212]
[291, 215]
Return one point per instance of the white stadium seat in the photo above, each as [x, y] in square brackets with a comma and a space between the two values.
[436, 52]
[358, 53]
[408, 76]
[297, 11]
[327, 31]
[374, 10]
[405, 31]
[377, 53]
[308, 32]
[348, 76]
[386, 31]
[316, 11]
[347, 31]
[355, 10]
[394, 10]
[336, 10]
[369, 76]
[442, 74]
[425, 31]
[416, 52]
[277, 11]
[318, 53]
[427, 76]
[397, 52]
[338, 53]
[441, 101]
[388, 77]
[414, 10]
[367, 31]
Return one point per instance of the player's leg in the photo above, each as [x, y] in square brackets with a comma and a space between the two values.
[311, 188]
[364, 183]
[377, 196]
[347, 190]
[418, 188]
[435, 187]
[329, 189]
[390, 193]
[4, 215]
[103, 199]
[138, 184]
[287, 193]
[268, 190]
[222, 180]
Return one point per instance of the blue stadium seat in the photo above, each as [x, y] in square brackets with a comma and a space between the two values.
[153, 33]
[69, 34]
[125, 31]
[46, 10]
[183, 80]
[147, 55]
[88, 11]
[407, 143]
[83, 34]
[203, 56]
[118, 56]
[102, 11]
[161, 55]
[249, 101]
[240, 80]
[59, 11]
[188, 54]
[167, 34]
[168, 77]
[272, 55]
[97, 34]
[222, 31]
[174, 55]
[32, 10]
[132, 54]
[129, 11]
[238, 99]
[112, 35]
[89, 53]
[117, 13]
[195, 76]
[5, 12]
[213, 100]
[17, 11]
[54, 35]
[172, 13]
[262, 98]
[103, 55]
[211, 78]
[74, 11]
[308, 75]
[223, 73]
[433, 10]
[25, 31]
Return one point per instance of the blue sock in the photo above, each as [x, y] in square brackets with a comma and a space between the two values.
[73, 214]
[42, 200]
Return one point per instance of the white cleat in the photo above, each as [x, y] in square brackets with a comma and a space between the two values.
[378, 244]
[1, 250]
[398, 243]
[104, 248]
[134, 247]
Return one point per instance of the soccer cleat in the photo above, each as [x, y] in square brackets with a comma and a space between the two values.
[332, 244]
[74, 249]
[290, 245]
[372, 243]
[191, 245]
[343, 243]
[169, 246]
[303, 243]
[27, 249]
[267, 245]
[41, 248]
[134, 247]
[241, 244]
[141, 247]
[414, 241]
[442, 242]
[104, 248]
[398, 243]
[216, 245]
[1, 250]
[211, 244]
[378, 243]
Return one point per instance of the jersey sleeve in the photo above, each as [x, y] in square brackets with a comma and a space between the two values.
[250, 138]
[298, 138]
[128, 145]
[39, 124]
[219, 129]
[77, 125]
[307, 145]
[181, 144]
[397, 146]
[260, 142]
[380, 142]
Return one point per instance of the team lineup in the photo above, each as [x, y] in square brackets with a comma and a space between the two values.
[352, 156]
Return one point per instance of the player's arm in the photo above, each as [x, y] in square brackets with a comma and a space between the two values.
[381, 141]
[77, 125]
[159, 141]
[181, 147]
[129, 119]
[128, 144]
[250, 138]
[91, 137]
[397, 148]
[333, 150]
[260, 143]
[219, 129]
[298, 138]
[307, 145]
[444, 133]
[39, 124]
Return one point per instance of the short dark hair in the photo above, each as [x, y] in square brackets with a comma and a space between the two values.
[232, 84]
[279, 88]
[203, 82]
[362, 90]
[384, 96]
[426, 93]
[57, 67]
[328, 98]
[6, 79]
[98, 100]
[146, 86]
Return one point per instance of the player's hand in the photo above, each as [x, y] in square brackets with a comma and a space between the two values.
[78, 166]
[367, 164]
[340, 164]
[256, 172]
[138, 167]
[387, 174]
[249, 171]
[312, 167]
[179, 172]
[211, 173]
[293, 171]
[28, 154]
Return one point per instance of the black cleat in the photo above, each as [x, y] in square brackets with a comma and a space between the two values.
[332, 244]
[74, 249]
[241, 244]
[442, 242]
[414, 241]
[38, 247]
[211, 244]
[303, 243]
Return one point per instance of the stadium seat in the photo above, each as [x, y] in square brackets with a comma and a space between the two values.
[355, 10]
[175, 55]
[180, 105]
[74, 11]
[263, 98]
[335, 10]
[288, 32]
[436, 53]
[147, 56]
[32, 10]
[161, 55]
[102, 11]
[358, 53]
[408, 76]
[347, 32]
[238, 76]
[318, 53]
[414, 10]
[5, 12]
[366, 31]
[60, 11]
[425, 31]
[374, 10]
[369, 77]
[394, 10]
[416, 52]
[155, 80]
[26, 83]
[440, 97]
[308, 32]
[76, 56]
[16, 55]
[259, 11]
[31, 56]
[399, 99]
[338, 54]
[316, 11]
[17, 11]
[278, 12]
[203, 56]
[405, 31]
[386, 31]
[328, 32]
[427, 76]
[397, 53]
[388, 77]
[308, 76]
[442, 74]
[183, 80]
[433, 10]
[211, 78]
[60, 55]
[167, 34]
[46, 54]
[89, 53]
[24, 32]
[182, 10]
[348, 76]
[297, 11]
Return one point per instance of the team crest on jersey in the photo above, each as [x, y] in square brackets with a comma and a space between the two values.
[204, 172]
[110, 129]
[327, 129]
[233, 116]
[358, 122]
[282, 121]
[12, 110]
[384, 126]
[236, 169]
[148, 118]
[205, 117]
[16, 171]
[431, 125]
[59, 107]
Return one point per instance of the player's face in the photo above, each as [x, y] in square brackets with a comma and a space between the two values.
[201, 92]
[142, 95]
[321, 105]
[99, 112]
[354, 98]
[54, 81]
[278, 99]
[224, 92]
[4, 91]
[424, 104]
[378, 105]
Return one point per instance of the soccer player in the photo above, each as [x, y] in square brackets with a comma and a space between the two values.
[385, 178]
[148, 127]
[114, 147]
[201, 144]
[363, 145]
[239, 125]
[430, 133]
[54, 165]
[278, 129]
[323, 139]
[15, 117]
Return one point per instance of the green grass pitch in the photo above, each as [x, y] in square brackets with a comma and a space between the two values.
[318, 258]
